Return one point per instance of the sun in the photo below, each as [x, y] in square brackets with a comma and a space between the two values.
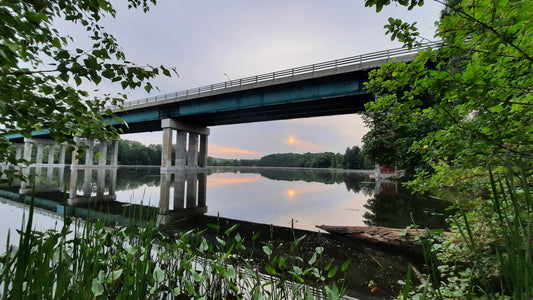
[291, 141]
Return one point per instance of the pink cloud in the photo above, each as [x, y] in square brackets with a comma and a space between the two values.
[220, 151]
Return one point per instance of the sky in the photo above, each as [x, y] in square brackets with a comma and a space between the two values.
[210, 41]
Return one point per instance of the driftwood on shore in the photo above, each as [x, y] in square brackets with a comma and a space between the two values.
[402, 239]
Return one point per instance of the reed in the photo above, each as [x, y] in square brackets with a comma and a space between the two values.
[489, 256]
[87, 260]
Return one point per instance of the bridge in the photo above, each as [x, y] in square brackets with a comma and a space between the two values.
[323, 89]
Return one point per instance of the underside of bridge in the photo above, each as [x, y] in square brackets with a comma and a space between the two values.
[315, 97]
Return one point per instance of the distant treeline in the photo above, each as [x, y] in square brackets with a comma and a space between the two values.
[351, 159]
[135, 153]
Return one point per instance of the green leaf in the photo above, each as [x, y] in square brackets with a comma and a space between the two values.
[436, 231]
[270, 270]
[312, 260]
[115, 275]
[158, 274]
[256, 236]
[231, 229]
[231, 272]
[97, 288]
[203, 246]
[333, 271]
[267, 250]
[346, 264]
[196, 276]
[176, 291]
[220, 241]
[297, 270]
[496, 108]
[332, 292]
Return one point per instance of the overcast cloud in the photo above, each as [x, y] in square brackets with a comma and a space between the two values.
[207, 39]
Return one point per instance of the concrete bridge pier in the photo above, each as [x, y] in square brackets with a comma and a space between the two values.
[108, 152]
[41, 145]
[191, 155]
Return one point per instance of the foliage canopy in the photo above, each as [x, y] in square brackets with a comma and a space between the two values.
[42, 70]
[477, 91]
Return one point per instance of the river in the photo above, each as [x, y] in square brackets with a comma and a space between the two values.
[285, 197]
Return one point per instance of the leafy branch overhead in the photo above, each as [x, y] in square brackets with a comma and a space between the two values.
[42, 72]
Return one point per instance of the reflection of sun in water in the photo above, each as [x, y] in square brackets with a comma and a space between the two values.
[291, 193]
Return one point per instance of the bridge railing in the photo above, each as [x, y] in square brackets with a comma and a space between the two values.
[332, 64]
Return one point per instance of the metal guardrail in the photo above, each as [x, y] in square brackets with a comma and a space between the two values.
[332, 64]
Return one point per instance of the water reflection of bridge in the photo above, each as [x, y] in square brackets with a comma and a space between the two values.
[172, 196]
[182, 194]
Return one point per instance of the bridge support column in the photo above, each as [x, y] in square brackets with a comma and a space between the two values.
[19, 150]
[106, 154]
[190, 157]
[41, 145]
[202, 155]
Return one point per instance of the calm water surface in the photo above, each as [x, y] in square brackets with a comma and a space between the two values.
[301, 198]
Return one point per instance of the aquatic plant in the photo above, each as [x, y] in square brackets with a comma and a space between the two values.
[489, 253]
[88, 260]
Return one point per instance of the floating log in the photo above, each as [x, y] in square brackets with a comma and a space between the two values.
[402, 239]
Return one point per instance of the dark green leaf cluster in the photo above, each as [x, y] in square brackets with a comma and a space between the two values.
[42, 71]
[470, 105]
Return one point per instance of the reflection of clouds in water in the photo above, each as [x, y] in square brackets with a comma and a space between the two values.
[348, 211]
[276, 201]
[225, 179]
[252, 197]
[12, 216]
[292, 193]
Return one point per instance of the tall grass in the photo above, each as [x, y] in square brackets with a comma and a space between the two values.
[490, 254]
[92, 261]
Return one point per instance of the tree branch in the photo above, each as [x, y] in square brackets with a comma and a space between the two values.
[486, 26]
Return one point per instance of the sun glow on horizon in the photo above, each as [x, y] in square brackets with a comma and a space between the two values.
[303, 146]
[291, 141]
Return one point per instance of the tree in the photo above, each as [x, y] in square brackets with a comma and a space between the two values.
[41, 70]
[480, 84]
[353, 159]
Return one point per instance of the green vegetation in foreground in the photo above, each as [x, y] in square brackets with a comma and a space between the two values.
[96, 262]
[466, 109]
